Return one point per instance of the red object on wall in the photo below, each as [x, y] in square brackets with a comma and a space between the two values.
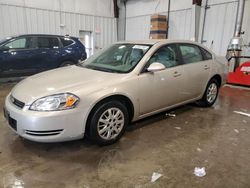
[241, 75]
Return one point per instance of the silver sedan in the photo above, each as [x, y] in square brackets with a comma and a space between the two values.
[124, 82]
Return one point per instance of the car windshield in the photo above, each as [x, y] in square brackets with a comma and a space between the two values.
[118, 58]
[4, 40]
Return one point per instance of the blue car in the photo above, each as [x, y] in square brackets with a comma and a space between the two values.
[25, 55]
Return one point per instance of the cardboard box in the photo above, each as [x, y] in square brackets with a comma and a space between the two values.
[157, 36]
[158, 25]
[158, 17]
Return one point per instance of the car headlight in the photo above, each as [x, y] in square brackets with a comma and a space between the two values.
[62, 101]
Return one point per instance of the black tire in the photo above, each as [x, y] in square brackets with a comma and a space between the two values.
[205, 102]
[101, 111]
[66, 63]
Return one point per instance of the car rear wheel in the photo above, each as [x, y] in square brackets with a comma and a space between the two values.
[66, 63]
[108, 123]
[210, 94]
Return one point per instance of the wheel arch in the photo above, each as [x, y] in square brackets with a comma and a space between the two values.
[218, 78]
[61, 62]
[117, 97]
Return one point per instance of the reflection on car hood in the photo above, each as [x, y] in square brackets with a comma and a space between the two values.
[72, 79]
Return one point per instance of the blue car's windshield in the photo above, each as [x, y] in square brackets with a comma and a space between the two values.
[4, 40]
[119, 58]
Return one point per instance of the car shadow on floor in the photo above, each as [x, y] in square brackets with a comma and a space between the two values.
[161, 116]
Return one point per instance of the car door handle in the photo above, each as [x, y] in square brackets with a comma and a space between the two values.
[176, 74]
[206, 67]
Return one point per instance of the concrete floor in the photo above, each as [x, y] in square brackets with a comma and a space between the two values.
[215, 138]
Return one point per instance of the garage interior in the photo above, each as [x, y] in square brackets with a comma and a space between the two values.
[169, 145]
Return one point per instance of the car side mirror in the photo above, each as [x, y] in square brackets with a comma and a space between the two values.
[4, 48]
[154, 67]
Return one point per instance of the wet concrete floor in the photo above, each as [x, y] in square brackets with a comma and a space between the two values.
[215, 138]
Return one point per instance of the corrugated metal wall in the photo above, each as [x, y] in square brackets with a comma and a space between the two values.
[21, 20]
[219, 25]
[246, 27]
[180, 24]
[138, 27]
[218, 29]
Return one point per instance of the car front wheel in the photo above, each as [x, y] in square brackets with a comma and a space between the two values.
[108, 123]
[210, 94]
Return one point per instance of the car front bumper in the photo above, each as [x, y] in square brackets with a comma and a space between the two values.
[55, 126]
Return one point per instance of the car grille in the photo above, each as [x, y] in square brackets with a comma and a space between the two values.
[16, 102]
[43, 133]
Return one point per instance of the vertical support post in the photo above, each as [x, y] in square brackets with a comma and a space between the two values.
[239, 18]
[121, 20]
[196, 11]
[168, 19]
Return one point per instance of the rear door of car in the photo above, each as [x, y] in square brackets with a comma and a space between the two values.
[73, 50]
[47, 53]
[18, 60]
[158, 90]
[196, 69]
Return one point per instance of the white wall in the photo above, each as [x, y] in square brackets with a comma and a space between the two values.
[59, 17]
[91, 7]
[138, 18]
[142, 7]
[246, 27]
[219, 23]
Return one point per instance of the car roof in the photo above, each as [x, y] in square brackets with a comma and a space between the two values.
[162, 42]
[41, 35]
[154, 41]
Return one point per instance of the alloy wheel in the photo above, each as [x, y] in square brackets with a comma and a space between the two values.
[212, 92]
[110, 123]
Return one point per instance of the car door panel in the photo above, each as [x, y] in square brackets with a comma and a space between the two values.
[196, 76]
[18, 59]
[48, 53]
[160, 89]
[196, 71]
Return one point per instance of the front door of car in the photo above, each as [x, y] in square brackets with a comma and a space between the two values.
[161, 89]
[17, 59]
[196, 70]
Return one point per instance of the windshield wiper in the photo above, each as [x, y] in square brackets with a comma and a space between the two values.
[101, 69]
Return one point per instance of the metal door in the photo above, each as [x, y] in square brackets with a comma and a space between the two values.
[87, 39]
[219, 24]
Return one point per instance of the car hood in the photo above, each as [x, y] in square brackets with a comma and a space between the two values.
[73, 79]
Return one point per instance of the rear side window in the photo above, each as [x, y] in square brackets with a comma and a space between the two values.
[47, 42]
[66, 41]
[190, 53]
[206, 55]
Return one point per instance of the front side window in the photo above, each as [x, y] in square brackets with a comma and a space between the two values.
[190, 53]
[17, 44]
[120, 58]
[166, 55]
